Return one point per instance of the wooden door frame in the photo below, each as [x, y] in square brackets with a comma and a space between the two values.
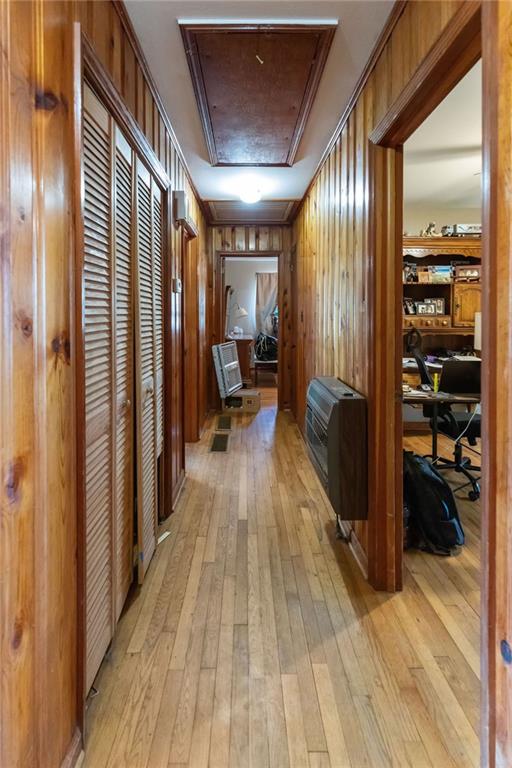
[193, 425]
[457, 49]
[221, 311]
[473, 33]
[186, 238]
[87, 68]
[496, 747]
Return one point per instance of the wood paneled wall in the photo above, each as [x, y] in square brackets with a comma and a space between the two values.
[40, 714]
[248, 238]
[197, 352]
[269, 240]
[38, 582]
[336, 277]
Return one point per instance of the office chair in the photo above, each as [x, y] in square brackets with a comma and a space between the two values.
[456, 378]
[458, 426]
[461, 378]
[413, 345]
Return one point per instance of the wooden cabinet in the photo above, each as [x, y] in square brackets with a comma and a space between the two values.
[438, 321]
[466, 301]
[244, 345]
[459, 300]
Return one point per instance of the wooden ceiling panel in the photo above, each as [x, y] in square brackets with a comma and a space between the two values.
[255, 88]
[264, 212]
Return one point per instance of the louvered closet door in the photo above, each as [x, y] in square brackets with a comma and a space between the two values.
[158, 314]
[124, 370]
[145, 378]
[98, 381]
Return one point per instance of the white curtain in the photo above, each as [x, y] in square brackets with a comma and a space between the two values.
[266, 300]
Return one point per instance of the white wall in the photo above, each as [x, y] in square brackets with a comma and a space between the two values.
[240, 274]
[417, 217]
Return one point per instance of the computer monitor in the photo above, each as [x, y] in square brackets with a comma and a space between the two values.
[460, 377]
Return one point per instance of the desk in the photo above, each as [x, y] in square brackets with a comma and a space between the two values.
[434, 400]
[244, 346]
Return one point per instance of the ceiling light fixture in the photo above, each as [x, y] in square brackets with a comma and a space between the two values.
[249, 191]
[250, 196]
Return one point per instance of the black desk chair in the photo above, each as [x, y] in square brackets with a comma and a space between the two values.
[461, 378]
[457, 378]
[459, 426]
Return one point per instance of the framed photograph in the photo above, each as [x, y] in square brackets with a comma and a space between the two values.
[465, 273]
[409, 273]
[424, 308]
[409, 307]
[438, 303]
[441, 274]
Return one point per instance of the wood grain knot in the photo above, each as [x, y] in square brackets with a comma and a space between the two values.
[15, 471]
[61, 347]
[46, 100]
[17, 634]
[26, 327]
[25, 324]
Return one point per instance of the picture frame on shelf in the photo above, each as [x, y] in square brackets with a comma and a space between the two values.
[409, 306]
[439, 304]
[425, 308]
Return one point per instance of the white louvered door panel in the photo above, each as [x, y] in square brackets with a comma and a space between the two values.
[145, 375]
[123, 358]
[158, 316]
[97, 278]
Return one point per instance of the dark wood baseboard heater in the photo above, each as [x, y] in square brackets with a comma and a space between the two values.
[336, 436]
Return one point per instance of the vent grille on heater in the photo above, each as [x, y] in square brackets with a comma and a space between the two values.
[336, 438]
[227, 368]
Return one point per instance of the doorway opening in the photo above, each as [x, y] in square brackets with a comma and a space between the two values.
[441, 362]
[250, 316]
[449, 61]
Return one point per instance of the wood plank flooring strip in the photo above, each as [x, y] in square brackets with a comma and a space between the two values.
[297, 747]
[336, 745]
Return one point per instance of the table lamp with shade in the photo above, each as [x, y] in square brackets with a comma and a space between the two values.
[239, 313]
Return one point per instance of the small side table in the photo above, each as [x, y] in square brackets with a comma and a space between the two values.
[244, 345]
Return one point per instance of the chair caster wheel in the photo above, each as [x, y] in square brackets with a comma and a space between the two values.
[473, 495]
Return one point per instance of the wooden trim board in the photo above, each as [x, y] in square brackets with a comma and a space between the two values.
[457, 49]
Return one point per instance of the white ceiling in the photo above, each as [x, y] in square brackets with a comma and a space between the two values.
[443, 158]
[360, 23]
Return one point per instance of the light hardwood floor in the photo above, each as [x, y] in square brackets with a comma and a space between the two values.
[255, 641]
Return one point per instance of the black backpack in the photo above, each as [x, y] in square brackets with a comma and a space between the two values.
[433, 523]
[265, 347]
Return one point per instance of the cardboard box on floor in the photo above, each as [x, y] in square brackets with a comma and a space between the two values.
[243, 401]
